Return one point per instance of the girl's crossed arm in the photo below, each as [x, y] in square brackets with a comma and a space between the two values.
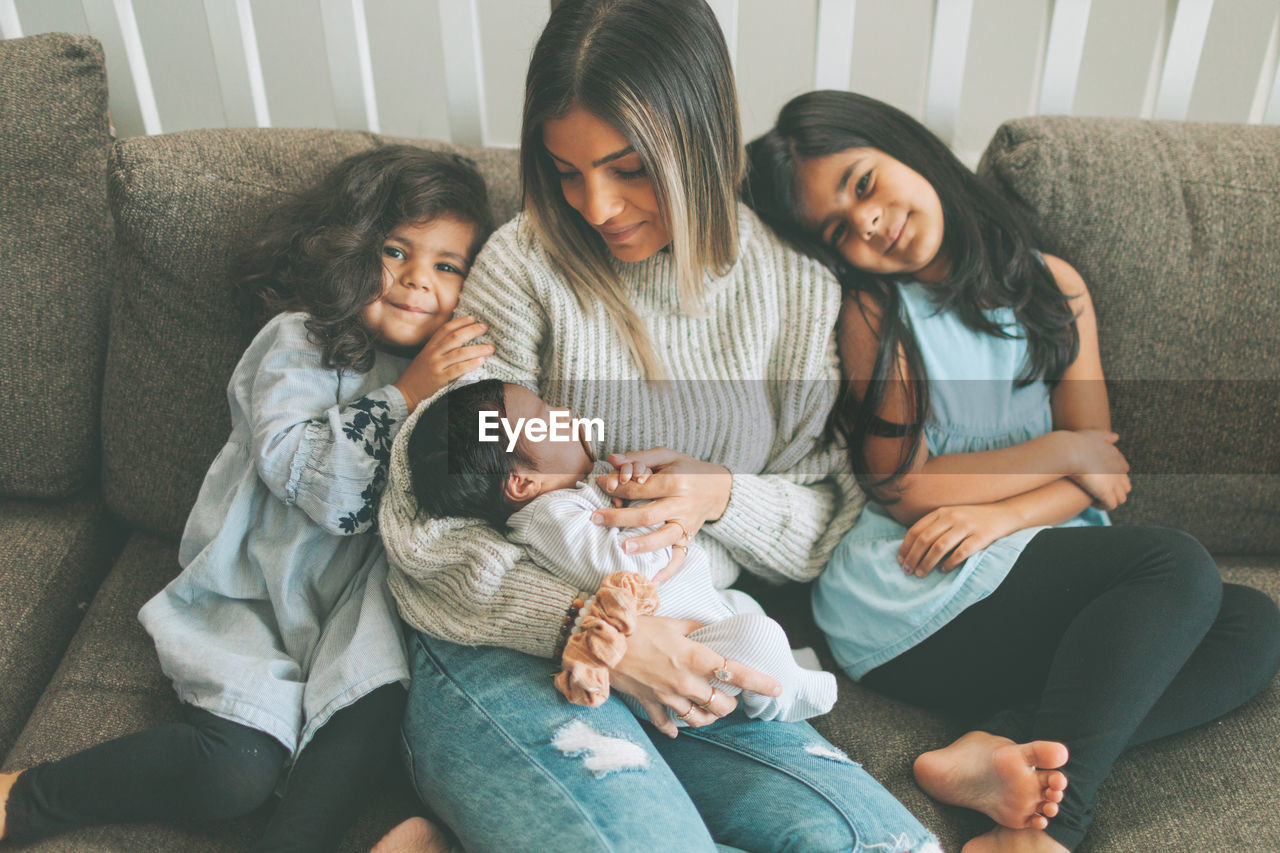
[985, 477]
[1079, 404]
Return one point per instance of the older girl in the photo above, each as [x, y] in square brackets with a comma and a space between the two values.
[633, 263]
[984, 580]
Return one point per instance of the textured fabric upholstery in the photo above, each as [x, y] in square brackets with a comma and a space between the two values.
[110, 684]
[1173, 227]
[52, 557]
[184, 204]
[54, 240]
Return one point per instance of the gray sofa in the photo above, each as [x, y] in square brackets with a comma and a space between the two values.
[119, 334]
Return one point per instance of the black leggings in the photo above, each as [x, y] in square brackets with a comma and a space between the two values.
[212, 769]
[1100, 638]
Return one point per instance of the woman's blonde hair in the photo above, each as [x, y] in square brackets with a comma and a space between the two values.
[658, 71]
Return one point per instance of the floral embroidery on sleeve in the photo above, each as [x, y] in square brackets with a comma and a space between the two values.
[368, 424]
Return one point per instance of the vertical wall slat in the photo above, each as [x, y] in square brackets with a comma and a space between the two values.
[727, 13]
[1266, 98]
[947, 54]
[9, 26]
[833, 62]
[1181, 59]
[235, 56]
[346, 37]
[1063, 55]
[464, 70]
[112, 22]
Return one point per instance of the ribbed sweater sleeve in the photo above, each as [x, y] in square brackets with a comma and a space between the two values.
[459, 579]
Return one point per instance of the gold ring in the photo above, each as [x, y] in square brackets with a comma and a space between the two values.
[684, 718]
[684, 548]
[706, 706]
[685, 538]
[723, 674]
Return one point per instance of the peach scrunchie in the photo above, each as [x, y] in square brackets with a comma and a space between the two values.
[604, 623]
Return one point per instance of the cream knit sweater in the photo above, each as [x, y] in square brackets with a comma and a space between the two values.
[753, 382]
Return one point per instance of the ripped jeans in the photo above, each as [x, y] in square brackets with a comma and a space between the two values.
[510, 765]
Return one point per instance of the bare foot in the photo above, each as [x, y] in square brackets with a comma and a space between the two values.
[1002, 840]
[415, 835]
[1016, 785]
[6, 785]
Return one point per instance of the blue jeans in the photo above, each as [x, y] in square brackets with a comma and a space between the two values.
[509, 764]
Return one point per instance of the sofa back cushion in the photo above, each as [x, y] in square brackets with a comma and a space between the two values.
[55, 237]
[185, 204]
[1175, 227]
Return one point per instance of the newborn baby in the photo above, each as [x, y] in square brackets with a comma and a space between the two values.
[468, 456]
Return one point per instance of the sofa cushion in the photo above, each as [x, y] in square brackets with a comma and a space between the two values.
[110, 684]
[55, 236]
[1173, 227]
[184, 205]
[52, 557]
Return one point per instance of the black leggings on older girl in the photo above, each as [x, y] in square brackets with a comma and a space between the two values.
[208, 768]
[1101, 638]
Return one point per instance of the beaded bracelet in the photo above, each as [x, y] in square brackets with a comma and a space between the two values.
[571, 619]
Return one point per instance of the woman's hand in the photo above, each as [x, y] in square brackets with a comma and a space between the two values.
[443, 359]
[663, 669]
[685, 493]
[1100, 468]
[946, 537]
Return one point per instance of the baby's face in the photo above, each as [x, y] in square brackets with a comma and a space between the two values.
[558, 464]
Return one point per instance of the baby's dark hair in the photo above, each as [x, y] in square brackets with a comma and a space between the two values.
[452, 472]
[321, 249]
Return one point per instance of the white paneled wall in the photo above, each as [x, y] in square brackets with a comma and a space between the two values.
[454, 69]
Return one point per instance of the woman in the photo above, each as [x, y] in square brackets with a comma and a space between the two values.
[995, 591]
[634, 263]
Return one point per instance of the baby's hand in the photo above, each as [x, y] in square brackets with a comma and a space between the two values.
[443, 359]
[629, 471]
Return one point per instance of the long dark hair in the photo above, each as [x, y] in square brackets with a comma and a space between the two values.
[989, 245]
[321, 249]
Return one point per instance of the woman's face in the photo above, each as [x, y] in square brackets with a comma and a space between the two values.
[877, 213]
[605, 180]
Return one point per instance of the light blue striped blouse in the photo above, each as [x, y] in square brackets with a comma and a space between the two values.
[281, 615]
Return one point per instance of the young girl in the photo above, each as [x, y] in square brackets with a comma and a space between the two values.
[996, 592]
[280, 636]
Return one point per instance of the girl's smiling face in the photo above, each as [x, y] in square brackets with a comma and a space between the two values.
[423, 265]
[879, 214]
[605, 180]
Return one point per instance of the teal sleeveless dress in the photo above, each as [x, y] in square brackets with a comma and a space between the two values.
[869, 609]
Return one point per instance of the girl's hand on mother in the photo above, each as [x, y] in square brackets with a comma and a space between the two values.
[663, 669]
[685, 493]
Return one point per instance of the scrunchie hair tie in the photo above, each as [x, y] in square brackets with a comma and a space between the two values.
[598, 642]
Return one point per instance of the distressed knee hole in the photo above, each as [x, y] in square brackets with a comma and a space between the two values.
[601, 754]
[900, 844]
[828, 752]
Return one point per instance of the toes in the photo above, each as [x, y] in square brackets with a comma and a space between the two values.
[1052, 780]
[1048, 809]
[1051, 795]
[1038, 822]
[1047, 754]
